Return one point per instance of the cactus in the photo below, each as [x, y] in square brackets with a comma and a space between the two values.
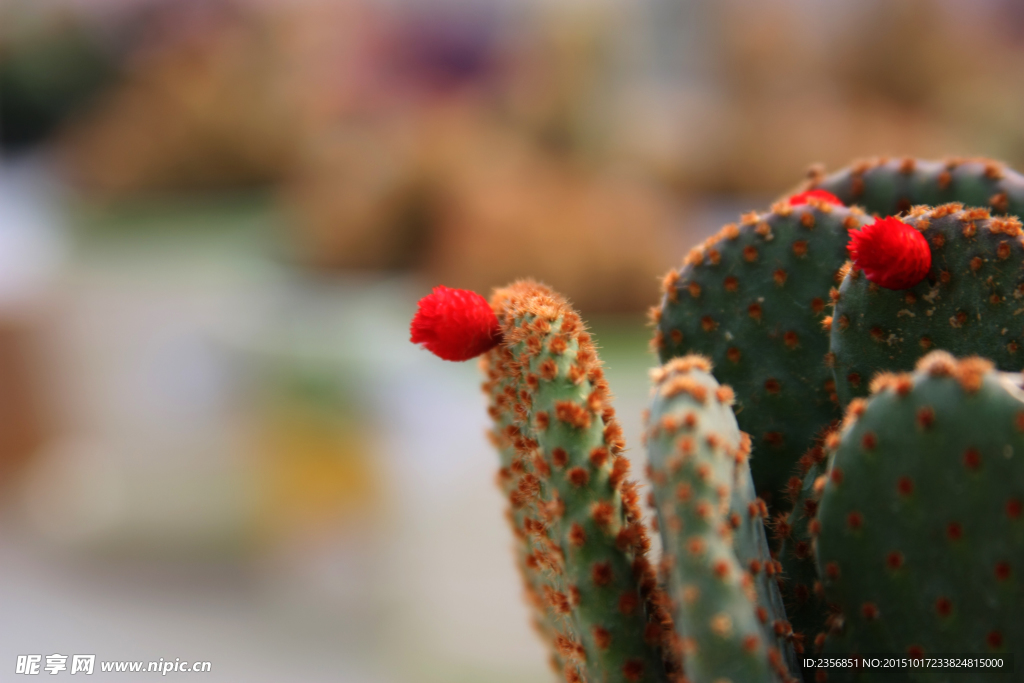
[899, 530]
[752, 299]
[702, 489]
[886, 187]
[966, 304]
[570, 501]
[921, 538]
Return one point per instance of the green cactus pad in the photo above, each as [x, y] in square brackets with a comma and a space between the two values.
[514, 476]
[698, 460]
[970, 302]
[752, 299]
[754, 553]
[921, 543]
[578, 519]
[890, 186]
[801, 588]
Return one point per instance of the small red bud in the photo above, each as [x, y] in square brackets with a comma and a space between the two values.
[823, 195]
[455, 324]
[891, 253]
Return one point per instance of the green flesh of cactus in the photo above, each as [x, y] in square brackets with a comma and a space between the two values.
[752, 299]
[970, 302]
[888, 187]
[751, 546]
[539, 580]
[804, 605]
[700, 478]
[921, 541]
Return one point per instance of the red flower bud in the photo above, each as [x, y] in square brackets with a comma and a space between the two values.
[455, 324]
[891, 253]
[798, 199]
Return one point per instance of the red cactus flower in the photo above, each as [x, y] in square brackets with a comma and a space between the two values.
[823, 195]
[891, 253]
[455, 324]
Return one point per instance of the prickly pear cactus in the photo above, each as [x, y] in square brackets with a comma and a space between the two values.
[887, 187]
[572, 507]
[968, 302]
[899, 530]
[752, 299]
[921, 542]
[698, 460]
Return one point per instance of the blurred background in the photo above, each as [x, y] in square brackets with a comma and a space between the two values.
[216, 216]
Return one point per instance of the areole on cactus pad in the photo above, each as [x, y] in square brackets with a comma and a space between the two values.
[897, 528]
